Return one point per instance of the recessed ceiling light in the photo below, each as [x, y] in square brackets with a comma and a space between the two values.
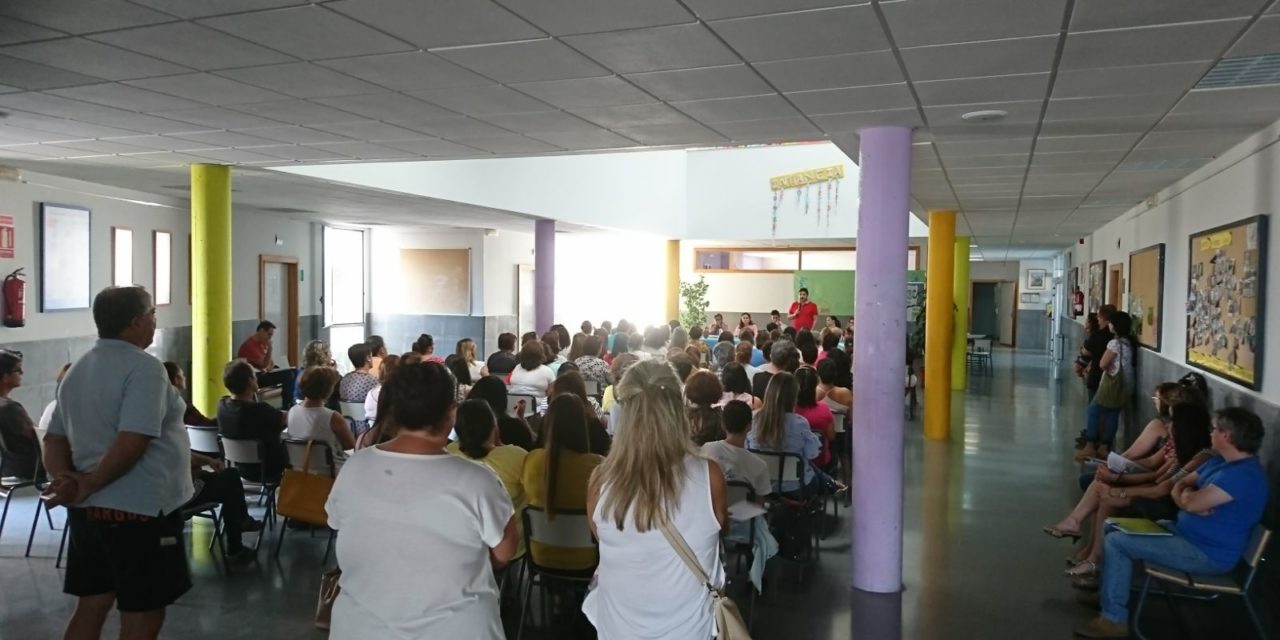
[984, 115]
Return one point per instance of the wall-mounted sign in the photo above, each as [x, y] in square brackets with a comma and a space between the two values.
[7, 241]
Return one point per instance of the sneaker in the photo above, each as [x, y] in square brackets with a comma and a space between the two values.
[1100, 627]
[241, 556]
[251, 526]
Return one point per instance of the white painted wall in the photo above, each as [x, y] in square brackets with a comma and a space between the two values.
[1046, 294]
[502, 253]
[388, 282]
[983, 270]
[1241, 183]
[608, 276]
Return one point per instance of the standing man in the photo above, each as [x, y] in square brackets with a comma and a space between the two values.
[121, 464]
[803, 312]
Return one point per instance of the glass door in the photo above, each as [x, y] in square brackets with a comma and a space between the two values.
[344, 294]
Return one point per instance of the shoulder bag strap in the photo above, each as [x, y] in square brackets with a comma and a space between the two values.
[682, 549]
[306, 461]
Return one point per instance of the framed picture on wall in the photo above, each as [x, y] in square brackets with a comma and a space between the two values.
[1146, 294]
[1036, 279]
[1096, 296]
[1030, 298]
[1226, 304]
[64, 257]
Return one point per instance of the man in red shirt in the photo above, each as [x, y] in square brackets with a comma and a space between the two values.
[803, 312]
[257, 347]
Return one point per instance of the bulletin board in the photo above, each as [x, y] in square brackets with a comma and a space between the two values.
[1226, 300]
[436, 281]
[1146, 294]
[833, 290]
[1097, 293]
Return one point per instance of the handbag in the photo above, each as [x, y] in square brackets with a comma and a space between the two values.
[329, 590]
[729, 622]
[1113, 390]
[302, 494]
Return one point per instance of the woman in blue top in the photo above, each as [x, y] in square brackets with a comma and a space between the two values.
[779, 428]
[1220, 505]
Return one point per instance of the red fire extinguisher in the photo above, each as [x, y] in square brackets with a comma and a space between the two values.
[15, 308]
[1077, 303]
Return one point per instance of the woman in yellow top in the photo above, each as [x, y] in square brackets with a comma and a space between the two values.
[477, 431]
[555, 477]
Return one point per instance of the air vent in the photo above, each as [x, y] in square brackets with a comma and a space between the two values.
[1243, 72]
[1163, 165]
[289, 210]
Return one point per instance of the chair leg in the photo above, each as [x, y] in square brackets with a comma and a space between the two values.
[1137, 610]
[1253, 615]
[328, 548]
[62, 546]
[5, 514]
[524, 607]
[35, 521]
[280, 540]
[48, 517]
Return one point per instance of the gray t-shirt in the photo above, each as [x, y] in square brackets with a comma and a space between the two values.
[118, 387]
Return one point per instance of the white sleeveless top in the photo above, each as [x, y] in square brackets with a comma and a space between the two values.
[641, 589]
[312, 423]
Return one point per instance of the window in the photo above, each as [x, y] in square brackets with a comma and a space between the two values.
[163, 242]
[784, 259]
[121, 257]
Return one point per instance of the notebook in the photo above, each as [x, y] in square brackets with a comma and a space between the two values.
[744, 510]
[1138, 527]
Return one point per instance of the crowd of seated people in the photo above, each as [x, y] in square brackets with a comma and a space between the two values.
[1192, 472]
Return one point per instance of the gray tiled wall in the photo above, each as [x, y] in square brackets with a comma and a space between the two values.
[494, 325]
[1033, 330]
[400, 330]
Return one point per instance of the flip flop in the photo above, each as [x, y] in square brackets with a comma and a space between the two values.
[1055, 532]
[1086, 568]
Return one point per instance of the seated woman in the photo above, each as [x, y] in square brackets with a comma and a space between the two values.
[192, 417]
[1112, 493]
[466, 349]
[703, 394]
[461, 375]
[591, 364]
[377, 353]
[617, 369]
[778, 428]
[512, 428]
[425, 346]
[570, 382]
[1148, 449]
[532, 377]
[311, 420]
[420, 527]
[555, 477]
[735, 385]
[478, 439]
[242, 417]
[817, 414]
[389, 365]
[316, 354]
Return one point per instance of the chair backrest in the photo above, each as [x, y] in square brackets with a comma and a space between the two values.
[839, 411]
[982, 345]
[530, 404]
[1257, 544]
[239, 451]
[353, 410]
[776, 461]
[569, 529]
[321, 456]
[593, 388]
[204, 439]
[740, 490]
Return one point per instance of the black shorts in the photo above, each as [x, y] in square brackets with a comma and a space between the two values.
[141, 559]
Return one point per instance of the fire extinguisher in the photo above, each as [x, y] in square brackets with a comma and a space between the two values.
[1077, 303]
[15, 308]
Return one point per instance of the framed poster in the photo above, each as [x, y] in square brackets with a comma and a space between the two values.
[1146, 294]
[1097, 294]
[441, 281]
[1036, 279]
[1030, 298]
[1226, 300]
[64, 257]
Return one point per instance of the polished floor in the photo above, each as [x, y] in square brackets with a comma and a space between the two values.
[976, 565]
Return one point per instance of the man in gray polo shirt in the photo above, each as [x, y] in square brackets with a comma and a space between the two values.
[121, 463]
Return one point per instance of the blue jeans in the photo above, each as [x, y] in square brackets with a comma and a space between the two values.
[1097, 414]
[1121, 549]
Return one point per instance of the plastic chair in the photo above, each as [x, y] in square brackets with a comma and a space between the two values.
[352, 410]
[238, 452]
[569, 529]
[530, 404]
[204, 440]
[593, 389]
[776, 462]
[9, 486]
[1236, 582]
[209, 511]
[739, 491]
[321, 459]
[979, 355]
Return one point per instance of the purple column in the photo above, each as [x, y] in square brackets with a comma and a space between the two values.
[544, 274]
[879, 345]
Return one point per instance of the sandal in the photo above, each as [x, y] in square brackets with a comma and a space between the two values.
[1086, 568]
[1059, 533]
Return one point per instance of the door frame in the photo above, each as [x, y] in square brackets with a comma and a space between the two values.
[997, 281]
[290, 264]
[1115, 285]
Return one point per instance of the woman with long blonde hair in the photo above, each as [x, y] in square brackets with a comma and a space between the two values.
[654, 477]
[466, 349]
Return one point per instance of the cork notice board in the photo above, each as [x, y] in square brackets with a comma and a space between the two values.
[436, 281]
[1146, 294]
[1225, 300]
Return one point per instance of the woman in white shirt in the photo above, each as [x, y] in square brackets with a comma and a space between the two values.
[654, 475]
[311, 420]
[467, 351]
[389, 365]
[422, 530]
[531, 377]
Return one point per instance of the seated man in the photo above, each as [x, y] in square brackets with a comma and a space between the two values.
[242, 417]
[17, 432]
[223, 486]
[503, 361]
[1219, 505]
[257, 351]
[355, 386]
[731, 453]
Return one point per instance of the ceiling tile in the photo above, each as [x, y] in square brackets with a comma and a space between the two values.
[655, 49]
[999, 160]
[608, 91]
[1225, 101]
[1191, 121]
[737, 109]
[846, 122]
[102, 146]
[297, 112]
[630, 116]
[295, 135]
[365, 151]
[123, 96]
[594, 139]
[14, 31]
[430, 147]
[1115, 141]
[440, 23]
[296, 152]
[482, 101]
[526, 61]
[370, 131]
[826, 102]
[163, 143]
[192, 45]
[1108, 14]
[233, 155]
[1023, 112]
[455, 127]
[1213, 138]
[983, 147]
[1174, 153]
[385, 106]
[510, 143]
[408, 71]
[676, 133]
[803, 34]
[205, 8]
[92, 58]
[544, 122]
[825, 72]
[1110, 106]
[728, 81]
[960, 131]
[310, 32]
[930, 22]
[1114, 81]
[980, 59]
[718, 9]
[1149, 45]
[1097, 126]
[1026, 86]
[207, 88]
[565, 17]
[791, 129]
[221, 139]
[217, 118]
[1069, 158]
[62, 129]
[33, 76]
[302, 80]
[74, 16]
[1263, 37]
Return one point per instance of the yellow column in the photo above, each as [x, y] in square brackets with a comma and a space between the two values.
[673, 280]
[960, 335]
[938, 323]
[210, 282]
